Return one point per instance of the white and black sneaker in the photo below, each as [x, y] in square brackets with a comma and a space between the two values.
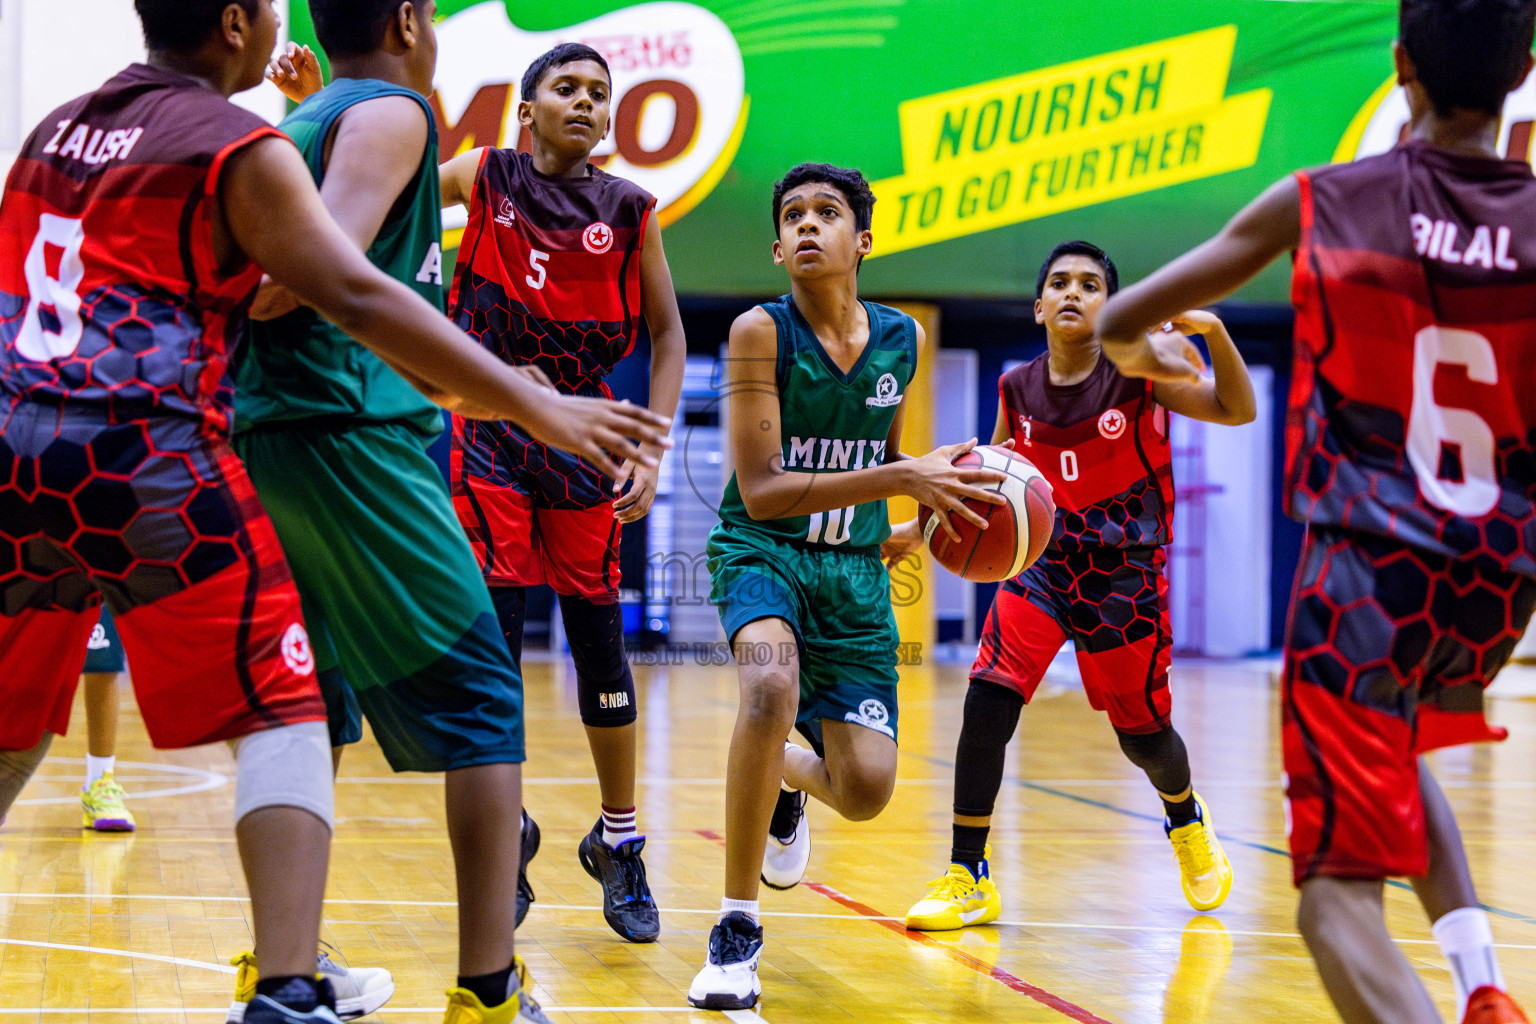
[729, 979]
[789, 842]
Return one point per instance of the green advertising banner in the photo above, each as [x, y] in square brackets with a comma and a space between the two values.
[991, 131]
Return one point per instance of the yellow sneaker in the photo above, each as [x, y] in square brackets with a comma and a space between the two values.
[464, 1007]
[1204, 870]
[101, 807]
[956, 899]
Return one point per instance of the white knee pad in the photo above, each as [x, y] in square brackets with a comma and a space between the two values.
[289, 766]
[16, 767]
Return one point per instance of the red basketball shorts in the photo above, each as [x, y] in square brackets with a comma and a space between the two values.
[163, 523]
[533, 514]
[1112, 603]
[1387, 655]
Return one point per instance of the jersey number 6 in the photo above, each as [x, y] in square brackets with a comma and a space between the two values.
[1432, 428]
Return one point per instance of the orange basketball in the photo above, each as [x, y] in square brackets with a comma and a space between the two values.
[1017, 530]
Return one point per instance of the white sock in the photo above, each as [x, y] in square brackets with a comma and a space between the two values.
[96, 767]
[618, 825]
[1466, 939]
[748, 907]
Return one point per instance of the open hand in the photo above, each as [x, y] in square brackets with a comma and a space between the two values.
[944, 487]
[595, 427]
[296, 73]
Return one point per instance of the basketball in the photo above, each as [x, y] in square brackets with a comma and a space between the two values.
[1017, 530]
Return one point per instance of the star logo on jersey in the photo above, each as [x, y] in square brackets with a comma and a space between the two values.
[1111, 424]
[872, 714]
[887, 392]
[505, 213]
[297, 653]
[598, 238]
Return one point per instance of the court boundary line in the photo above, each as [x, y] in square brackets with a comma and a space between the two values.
[997, 974]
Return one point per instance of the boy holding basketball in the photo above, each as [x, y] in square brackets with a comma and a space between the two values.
[1102, 441]
[815, 382]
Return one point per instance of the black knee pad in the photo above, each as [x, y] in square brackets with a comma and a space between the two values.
[1161, 755]
[991, 716]
[605, 689]
[606, 705]
[511, 604]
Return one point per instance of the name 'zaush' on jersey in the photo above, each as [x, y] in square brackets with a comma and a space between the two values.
[1413, 399]
[833, 422]
[1103, 445]
[549, 269]
[110, 292]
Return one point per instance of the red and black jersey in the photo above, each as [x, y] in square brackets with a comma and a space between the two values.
[1413, 401]
[1103, 445]
[549, 269]
[110, 295]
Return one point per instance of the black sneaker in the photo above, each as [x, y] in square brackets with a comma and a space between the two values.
[530, 847]
[627, 903]
[729, 979]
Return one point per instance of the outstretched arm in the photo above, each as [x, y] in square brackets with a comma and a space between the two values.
[271, 211]
[1228, 398]
[1265, 228]
[457, 177]
[668, 352]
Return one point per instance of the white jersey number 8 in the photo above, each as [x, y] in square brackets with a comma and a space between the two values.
[62, 293]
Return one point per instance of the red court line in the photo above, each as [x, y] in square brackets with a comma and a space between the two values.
[997, 974]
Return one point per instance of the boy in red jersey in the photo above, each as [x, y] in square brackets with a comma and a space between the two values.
[133, 230]
[1102, 442]
[1409, 456]
[557, 265]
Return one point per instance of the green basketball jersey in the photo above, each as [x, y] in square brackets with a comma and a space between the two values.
[832, 422]
[299, 366]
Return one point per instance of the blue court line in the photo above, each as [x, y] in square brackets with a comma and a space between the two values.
[1158, 820]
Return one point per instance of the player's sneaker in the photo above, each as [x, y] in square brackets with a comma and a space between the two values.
[729, 979]
[357, 991]
[1204, 870]
[101, 807]
[1489, 1005]
[284, 1007]
[464, 1007]
[530, 847]
[789, 842]
[627, 904]
[956, 899]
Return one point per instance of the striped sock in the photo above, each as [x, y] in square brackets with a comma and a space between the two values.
[618, 825]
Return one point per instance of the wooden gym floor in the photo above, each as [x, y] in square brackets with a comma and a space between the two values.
[1094, 928]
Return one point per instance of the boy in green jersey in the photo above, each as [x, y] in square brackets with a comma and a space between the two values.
[816, 382]
[335, 439]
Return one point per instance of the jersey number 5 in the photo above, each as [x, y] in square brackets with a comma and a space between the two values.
[535, 260]
[1433, 428]
[54, 292]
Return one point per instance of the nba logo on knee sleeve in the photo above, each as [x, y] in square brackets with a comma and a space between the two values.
[296, 650]
[613, 700]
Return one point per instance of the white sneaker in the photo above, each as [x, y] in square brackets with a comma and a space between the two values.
[789, 842]
[359, 990]
[729, 979]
